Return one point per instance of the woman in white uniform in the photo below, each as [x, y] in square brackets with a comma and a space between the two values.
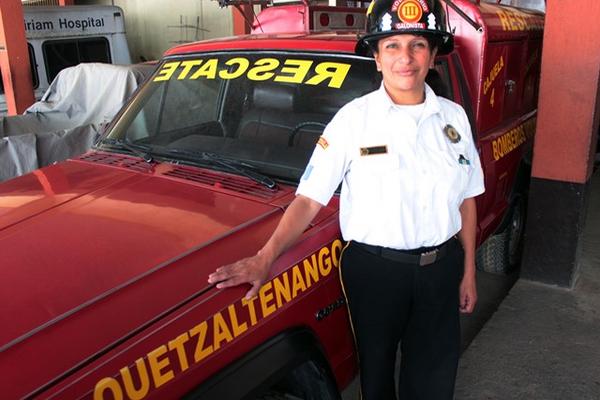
[409, 173]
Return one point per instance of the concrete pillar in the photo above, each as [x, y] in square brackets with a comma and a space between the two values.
[565, 142]
[14, 58]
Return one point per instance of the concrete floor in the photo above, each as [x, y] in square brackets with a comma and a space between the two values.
[544, 341]
[539, 341]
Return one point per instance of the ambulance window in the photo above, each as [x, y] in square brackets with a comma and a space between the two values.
[60, 54]
[35, 80]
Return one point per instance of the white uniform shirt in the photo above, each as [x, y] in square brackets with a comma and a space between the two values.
[402, 182]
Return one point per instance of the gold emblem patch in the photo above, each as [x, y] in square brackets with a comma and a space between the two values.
[452, 133]
[410, 11]
[322, 142]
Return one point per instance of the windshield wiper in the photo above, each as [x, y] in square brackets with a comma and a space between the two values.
[235, 166]
[140, 150]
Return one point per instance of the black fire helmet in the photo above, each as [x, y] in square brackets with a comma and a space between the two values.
[416, 17]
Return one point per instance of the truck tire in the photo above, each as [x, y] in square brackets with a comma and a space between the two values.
[491, 255]
[515, 229]
[501, 252]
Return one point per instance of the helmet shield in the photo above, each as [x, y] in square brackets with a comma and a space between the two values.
[416, 17]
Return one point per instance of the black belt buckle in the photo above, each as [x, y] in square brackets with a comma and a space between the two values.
[428, 257]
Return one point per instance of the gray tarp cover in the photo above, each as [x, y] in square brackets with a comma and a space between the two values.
[67, 120]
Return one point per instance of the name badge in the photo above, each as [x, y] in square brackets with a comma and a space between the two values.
[370, 151]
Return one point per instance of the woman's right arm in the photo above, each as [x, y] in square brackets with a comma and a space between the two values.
[255, 269]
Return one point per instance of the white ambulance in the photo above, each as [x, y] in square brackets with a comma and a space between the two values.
[60, 37]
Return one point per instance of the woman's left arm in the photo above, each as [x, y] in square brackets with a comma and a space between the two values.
[468, 287]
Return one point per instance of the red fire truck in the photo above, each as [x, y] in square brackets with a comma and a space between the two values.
[105, 257]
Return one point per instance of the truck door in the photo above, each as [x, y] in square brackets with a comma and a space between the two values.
[492, 88]
[531, 75]
[502, 86]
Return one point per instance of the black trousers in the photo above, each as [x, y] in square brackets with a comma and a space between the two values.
[416, 306]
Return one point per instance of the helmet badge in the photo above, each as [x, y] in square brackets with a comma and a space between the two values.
[431, 21]
[410, 11]
[386, 22]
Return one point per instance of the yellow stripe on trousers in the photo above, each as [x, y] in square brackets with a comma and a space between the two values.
[350, 315]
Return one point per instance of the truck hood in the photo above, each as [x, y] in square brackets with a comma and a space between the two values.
[79, 238]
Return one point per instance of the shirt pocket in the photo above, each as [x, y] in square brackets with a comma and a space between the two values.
[465, 167]
[375, 181]
[452, 173]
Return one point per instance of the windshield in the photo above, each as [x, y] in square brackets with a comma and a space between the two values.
[266, 109]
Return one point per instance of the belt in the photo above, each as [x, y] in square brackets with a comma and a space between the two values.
[422, 256]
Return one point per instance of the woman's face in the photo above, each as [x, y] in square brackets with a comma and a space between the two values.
[404, 61]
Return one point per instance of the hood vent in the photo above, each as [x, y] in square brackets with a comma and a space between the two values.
[234, 183]
[117, 160]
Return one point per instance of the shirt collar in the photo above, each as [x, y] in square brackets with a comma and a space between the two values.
[432, 104]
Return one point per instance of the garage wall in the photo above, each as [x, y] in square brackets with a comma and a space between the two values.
[153, 26]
